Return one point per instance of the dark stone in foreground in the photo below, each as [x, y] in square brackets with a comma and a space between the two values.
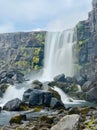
[35, 97]
[60, 78]
[55, 103]
[91, 95]
[13, 105]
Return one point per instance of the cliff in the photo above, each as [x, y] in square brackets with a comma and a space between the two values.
[22, 50]
[87, 43]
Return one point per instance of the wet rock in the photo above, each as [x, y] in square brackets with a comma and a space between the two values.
[60, 78]
[55, 103]
[1, 94]
[26, 95]
[80, 79]
[4, 87]
[17, 119]
[91, 95]
[35, 97]
[55, 94]
[87, 85]
[14, 105]
[69, 122]
[38, 98]
[37, 84]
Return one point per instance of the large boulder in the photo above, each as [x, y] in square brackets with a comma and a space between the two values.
[26, 95]
[55, 103]
[13, 105]
[60, 78]
[80, 79]
[36, 84]
[69, 122]
[91, 95]
[36, 97]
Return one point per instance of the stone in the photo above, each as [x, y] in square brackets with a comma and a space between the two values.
[55, 103]
[60, 78]
[79, 79]
[26, 95]
[69, 122]
[17, 119]
[38, 98]
[91, 95]
[13, 105]
[37, 84]
[35, 97]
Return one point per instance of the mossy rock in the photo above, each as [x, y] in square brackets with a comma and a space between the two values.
[4, 87]
[55, 94]
[85, 110]
[46, 119]
[37, 109]
[17, 119]
[24, 107]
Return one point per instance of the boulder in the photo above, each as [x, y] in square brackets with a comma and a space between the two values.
[1, 94]
[36, 97]
[87, 86]
[17, 119]
[0, 109]
[79, 79]
[26, 95]
[55, 103]
[37, 84]
[13, 105]
[60, 78]
[69, 122]
[70, 80]
[91, 95]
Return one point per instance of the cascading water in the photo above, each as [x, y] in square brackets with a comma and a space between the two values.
[70, 102]
[58, 59]
[58, 54]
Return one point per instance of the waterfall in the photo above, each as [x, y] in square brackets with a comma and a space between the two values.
[70, 102]
[58, 54]
[58, 59]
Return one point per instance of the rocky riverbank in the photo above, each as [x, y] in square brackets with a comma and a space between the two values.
[42, 109]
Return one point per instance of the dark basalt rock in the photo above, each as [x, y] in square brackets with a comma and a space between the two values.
[36, 97]
[55, 103]
[37, 84]
[13, 105]
[60, 78]
[91, 95]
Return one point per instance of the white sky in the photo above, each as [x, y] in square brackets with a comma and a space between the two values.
[28, 15]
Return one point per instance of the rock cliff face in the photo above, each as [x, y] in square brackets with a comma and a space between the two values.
[23, 50]
[87, 43]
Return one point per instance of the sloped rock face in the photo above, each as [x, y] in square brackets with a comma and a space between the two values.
[22, 50]
[87, 44]
[69, 122]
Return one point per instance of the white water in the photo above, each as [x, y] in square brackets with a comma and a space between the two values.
[58, 54]
[58, 59]
[70, 102]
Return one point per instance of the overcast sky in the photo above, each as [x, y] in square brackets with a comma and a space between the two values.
[28, 15]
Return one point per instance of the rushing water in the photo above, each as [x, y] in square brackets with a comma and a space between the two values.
[58, 54]
[58, 59]
[70, 102]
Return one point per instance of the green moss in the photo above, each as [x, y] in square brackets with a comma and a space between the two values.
[24, 107]
[35, 59]
[46, 119]
[17, 119]
[4, 87]
[36, 51]
[91, 124]
[37, 109]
